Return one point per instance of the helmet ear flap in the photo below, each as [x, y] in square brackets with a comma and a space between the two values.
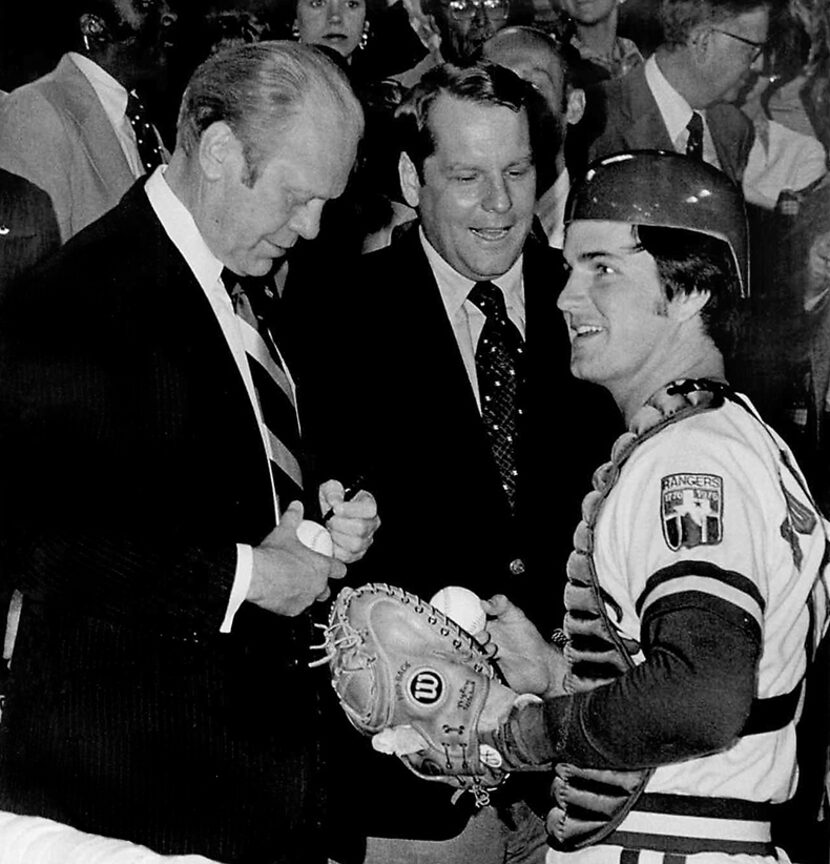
[666, 190]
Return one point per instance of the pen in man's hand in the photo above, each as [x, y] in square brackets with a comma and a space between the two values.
[348, 493]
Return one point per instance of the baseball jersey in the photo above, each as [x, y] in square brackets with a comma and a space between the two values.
[713, 510]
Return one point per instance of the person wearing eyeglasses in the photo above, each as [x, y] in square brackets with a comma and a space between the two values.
[674, 101]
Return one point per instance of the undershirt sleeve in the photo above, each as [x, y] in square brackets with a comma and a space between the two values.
[690, 697]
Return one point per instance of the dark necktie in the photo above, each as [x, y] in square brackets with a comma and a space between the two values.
[498, 361]
[694, 146]
[146, 139]
[273, 388]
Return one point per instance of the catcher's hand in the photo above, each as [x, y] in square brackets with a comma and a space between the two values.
[411, 677]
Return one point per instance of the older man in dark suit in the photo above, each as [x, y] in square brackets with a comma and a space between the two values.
[457, 311]
[675, 101]
[161, 692]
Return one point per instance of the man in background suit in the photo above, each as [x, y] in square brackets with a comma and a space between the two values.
[674, 101]
[69, 132]
[418, 429]
[160, 691]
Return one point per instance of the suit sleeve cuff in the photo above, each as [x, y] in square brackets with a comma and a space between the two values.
[241, 584]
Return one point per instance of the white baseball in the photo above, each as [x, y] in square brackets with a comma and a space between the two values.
[316, 537]
[462, 605]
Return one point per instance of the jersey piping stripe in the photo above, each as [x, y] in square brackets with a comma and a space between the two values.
[708, 571]
[711, 587]
[675, 825]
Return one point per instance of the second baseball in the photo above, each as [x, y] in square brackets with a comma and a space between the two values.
[462, 605]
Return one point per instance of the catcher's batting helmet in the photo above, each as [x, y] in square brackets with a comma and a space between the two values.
[667, 190]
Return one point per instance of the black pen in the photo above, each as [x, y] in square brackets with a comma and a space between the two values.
[348, 493]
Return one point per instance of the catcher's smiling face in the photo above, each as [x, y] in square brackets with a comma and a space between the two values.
[620, 323]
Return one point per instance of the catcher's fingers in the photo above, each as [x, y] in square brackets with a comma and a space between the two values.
[399, 741]
[323, 595]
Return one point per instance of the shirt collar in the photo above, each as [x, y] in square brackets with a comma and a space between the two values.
[181, 228]
[454, 287]
[675, 109]
[624, 55]
[552, 203]
[111, 94]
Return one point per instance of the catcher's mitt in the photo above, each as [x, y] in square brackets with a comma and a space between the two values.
[411, 677]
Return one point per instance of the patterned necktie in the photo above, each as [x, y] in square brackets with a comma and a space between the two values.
[273, 388]
[498, 362]
[146, 138]
[694, 145]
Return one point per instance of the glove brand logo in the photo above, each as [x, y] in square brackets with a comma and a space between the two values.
[426, 687]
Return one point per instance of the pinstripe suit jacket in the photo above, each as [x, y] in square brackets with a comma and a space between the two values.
[137, 467]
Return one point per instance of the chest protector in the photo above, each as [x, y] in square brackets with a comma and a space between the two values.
[588, 804]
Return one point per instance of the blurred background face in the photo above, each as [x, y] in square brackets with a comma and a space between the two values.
[536, 66]
[465, 25]
[338, 24]
[735, 48]
[589, 12]
[145, 30]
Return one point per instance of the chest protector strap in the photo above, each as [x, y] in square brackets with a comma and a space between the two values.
[588, 804]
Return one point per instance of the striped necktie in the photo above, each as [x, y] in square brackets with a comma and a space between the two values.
[498, 364]
[274, 391]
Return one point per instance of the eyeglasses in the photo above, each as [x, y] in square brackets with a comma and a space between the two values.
[757, 46]
[467, 8]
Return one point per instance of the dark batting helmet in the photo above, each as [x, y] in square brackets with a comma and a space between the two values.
[667, 190]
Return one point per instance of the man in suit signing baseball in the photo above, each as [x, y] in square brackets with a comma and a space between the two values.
[161, 689]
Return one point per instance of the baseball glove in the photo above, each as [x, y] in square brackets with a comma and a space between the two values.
[423, 687]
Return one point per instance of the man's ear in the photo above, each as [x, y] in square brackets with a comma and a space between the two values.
[576, 106]
[218, 146]
[410, 182]
[684, 307]
[93, 28]
[700, 41]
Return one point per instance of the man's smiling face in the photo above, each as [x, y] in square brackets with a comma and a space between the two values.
[479, 186]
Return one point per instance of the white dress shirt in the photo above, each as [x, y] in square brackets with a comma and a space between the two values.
[180, 227]
[550, 209]
[466, 318]
[113, 98]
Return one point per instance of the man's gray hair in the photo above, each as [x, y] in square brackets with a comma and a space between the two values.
[257, 90]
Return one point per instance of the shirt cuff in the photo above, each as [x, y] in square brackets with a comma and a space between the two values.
[241, 584]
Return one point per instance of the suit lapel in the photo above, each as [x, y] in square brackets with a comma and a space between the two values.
[644, 126]
[95, 133]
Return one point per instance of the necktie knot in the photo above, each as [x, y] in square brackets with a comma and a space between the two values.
[146, 138]
[694, 144]
[490, 300]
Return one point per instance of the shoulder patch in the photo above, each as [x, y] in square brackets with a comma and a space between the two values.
[691, 510]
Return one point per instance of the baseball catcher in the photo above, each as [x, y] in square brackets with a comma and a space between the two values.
[694, 592]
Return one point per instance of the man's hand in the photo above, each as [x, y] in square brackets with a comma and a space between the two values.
[529, 663]
[287, 576]
[353, 522]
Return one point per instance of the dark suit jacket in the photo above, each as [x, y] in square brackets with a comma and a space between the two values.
[632, 121]
[132, 465]
[28, 228]
[417, 434]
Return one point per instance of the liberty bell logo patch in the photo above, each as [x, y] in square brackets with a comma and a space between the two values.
[692, 510]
